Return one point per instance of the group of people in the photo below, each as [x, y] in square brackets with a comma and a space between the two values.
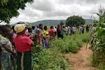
[16, 42]
[15, 48]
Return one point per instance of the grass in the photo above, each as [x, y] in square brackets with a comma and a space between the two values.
[70, 43]
[52, 58]
[49, 59]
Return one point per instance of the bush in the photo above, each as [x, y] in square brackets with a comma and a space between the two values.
[52, 58]
[75, 20]
[98, 42]
[70, 43]
[49, 59]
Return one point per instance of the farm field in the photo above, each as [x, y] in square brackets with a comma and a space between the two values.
[71, 53]
[52, 35]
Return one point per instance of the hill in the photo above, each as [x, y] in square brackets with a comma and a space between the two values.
[48, 22]
[56, 22]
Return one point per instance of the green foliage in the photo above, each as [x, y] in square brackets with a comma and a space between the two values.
[99, 42]
[53, 58]
[70, 43]
[9, 8]
[75, 20]
[48, 59]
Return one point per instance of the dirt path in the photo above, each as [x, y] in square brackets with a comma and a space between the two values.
[81, 60]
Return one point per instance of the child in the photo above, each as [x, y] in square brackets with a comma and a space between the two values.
[23, 45]
[45, 37]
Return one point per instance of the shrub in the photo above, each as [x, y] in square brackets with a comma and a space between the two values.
[52, 58]
[49, 59]
[98, 43]
[70, 43]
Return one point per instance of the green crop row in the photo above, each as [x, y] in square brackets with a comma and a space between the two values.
[70, 43]
[52, 58]
[49, 59]
[98, 44]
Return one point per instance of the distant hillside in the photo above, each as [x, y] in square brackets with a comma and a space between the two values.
[48, 22]
[56, 22]
[89, 21]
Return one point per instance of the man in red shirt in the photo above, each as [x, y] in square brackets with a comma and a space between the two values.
[23, 45]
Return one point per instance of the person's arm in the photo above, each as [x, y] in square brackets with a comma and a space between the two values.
[6, 48]
[6, 45]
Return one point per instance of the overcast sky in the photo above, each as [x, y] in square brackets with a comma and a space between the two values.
[58, 9]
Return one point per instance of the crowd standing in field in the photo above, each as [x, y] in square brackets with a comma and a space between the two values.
[16, 42]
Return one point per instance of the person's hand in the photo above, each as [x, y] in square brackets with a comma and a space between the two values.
[14, 53]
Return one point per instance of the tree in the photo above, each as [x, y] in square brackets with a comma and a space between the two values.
[75, 20]
[9, 8]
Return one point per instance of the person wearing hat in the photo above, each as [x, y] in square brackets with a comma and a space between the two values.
[23, 45]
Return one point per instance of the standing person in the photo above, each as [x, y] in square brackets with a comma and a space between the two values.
[23, 45]
[39, 34]
[45, 37]
[69, 30]
[60, 31]
[6, 48]
[74, 29]
[81, 29]
[52, 33]
[34, 34]
[65, 30]
[33, 29]
[13, 57]
[87, 28]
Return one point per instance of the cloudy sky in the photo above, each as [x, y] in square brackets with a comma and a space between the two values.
[58, 9]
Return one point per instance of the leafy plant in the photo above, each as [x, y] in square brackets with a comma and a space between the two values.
[70, 43]
[53, 58]
[99, 42]
[49, 59]
[9, 8]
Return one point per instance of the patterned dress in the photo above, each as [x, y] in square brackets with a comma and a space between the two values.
[5, 56]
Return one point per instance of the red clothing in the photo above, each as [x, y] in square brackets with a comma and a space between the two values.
[23, 43]
[52, 33]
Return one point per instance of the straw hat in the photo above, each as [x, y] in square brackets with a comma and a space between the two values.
[19, 28]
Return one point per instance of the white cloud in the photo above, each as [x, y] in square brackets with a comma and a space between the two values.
[43, 5]
[58, 9]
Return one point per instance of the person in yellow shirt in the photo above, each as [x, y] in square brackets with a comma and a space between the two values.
[45, 37]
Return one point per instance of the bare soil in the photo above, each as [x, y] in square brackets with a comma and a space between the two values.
[81, 60]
